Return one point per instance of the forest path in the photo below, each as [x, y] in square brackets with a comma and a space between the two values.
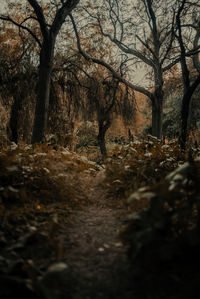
[93, 251]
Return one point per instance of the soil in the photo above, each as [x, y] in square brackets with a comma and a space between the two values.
[96, 257]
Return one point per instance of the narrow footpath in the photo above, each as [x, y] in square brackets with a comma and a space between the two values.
[95, 255]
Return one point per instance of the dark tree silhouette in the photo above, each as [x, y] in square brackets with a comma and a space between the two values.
[104, 104]
[188, 87]
[47, 43]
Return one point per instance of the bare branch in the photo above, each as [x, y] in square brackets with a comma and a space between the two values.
[145, 44]
[7, 18]
[124, 48]
[107, 66]
[190, 53]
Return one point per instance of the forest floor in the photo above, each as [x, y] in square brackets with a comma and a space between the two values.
[81, 238]
[66, 229]
[94, 251]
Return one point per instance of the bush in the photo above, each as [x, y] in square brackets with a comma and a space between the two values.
[87, 136]
[138, 164]
[164, 239]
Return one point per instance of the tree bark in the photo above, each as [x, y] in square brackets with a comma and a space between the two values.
[42, 101]
[101, 142]
[157, 100]
[101, 136]
[188, 88]
[157, 115]
[185, 111]
[184, 121]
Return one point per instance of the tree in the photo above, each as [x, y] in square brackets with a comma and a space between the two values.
[46, 40]
[103, 104]
[17, 72]
[143, 32]
[121, 22]
[106, 97]
[100, 97]
[188, 86]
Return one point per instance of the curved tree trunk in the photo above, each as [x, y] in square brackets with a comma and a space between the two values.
[42, 101]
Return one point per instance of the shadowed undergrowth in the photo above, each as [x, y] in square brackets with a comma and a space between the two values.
[149, 186]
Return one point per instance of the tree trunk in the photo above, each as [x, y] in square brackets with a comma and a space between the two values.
[157, 115]
[101, 141]
[101, 136]
[184, 121]
[42, 101]
[185, 111]
[14, 118]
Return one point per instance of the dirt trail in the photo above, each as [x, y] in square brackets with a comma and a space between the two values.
[95, 254]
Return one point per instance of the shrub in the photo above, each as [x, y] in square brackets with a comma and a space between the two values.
[87, 136]
[164, 239]
[138, 164]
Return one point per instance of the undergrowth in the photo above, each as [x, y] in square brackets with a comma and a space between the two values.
[38, 175]
[163, 239]
[161, 191]
[40, 187]
[138, 164]
[159, 186]
[155, 182]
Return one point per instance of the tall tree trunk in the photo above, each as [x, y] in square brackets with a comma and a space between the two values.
[185, 111]
[42, 101]
[157, 113]
[186, 81]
